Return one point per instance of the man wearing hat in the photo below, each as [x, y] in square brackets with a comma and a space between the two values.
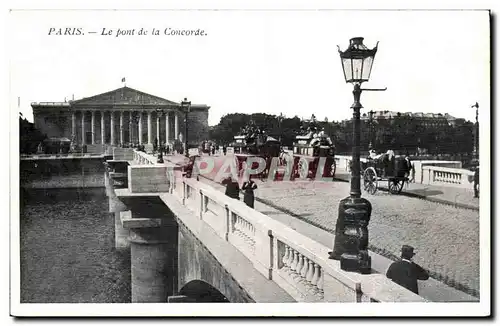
[405, 272]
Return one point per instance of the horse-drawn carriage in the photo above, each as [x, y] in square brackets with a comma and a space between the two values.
[206, 147]
[385, 167]
[310, 151]
[253, 142]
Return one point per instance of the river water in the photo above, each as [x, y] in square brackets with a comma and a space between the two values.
[67, 248]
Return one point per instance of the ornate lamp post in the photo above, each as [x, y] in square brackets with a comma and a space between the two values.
[351, 233]
[186, 107]
[280, 121]
[476, 129]
[159, 114]
[370, 115]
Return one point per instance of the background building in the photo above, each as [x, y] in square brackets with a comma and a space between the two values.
[424, 119]
[121, 116]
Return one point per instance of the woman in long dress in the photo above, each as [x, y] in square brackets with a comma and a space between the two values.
[249, 197]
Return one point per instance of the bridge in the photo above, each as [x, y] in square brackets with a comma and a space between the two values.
[190, 243]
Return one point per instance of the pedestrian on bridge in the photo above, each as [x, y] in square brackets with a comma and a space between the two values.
[405, 272]
[232, 188]
[249, 196]
[476, 182]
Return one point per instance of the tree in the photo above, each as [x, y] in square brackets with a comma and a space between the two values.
[29, 136]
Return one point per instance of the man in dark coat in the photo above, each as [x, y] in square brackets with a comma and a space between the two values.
[232, 188]
[405, 272]
[476, 183]
[249, 196]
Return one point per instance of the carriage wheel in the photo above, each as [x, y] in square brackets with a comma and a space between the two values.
[370, 180]
[303, 169]
[395, 185]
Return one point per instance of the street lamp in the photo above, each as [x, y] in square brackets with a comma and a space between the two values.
[370, 114]
[351, 232]
[159, 114]
[186, 107]
[476, 129]
[280, 121]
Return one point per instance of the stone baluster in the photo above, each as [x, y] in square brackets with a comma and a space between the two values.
[290, 257]
[320, 281]
[293, 266]
[299, 267]
[236, 224]
[310, 271]
[315, 278]
[303, 271]
[286, 256]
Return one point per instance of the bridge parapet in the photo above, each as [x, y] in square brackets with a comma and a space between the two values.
[298, 264]
[123, 154]
[443, 176]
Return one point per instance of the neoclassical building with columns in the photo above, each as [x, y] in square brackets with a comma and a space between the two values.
[121, 116]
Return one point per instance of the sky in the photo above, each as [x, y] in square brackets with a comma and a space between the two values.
[256, 61]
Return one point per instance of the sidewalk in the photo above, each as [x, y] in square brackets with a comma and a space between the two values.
[454, 196]
[458, 197]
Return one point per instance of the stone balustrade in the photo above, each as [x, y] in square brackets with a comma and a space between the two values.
[419, 165]
[27, 157]
[123, 154]
[442, 176]
[295, 262]
[343, 161]
[144, 158]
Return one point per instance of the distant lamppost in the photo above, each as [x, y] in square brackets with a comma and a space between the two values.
[186, 107]
[370, 114]
[476, 132]
[280, 121]
[159, 114]
[351, 233]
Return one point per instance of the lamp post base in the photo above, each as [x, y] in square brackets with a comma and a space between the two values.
[351, 235]
[160, 157]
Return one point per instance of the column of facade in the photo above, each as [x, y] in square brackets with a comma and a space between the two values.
[83, 127]
[92, 126]
[167, 128]
[140, 127]
[130, 126]
[158, 128]
[112, 126]
[121, 127]
[73, 126]
[176, 126]
[103, 132]
[150, 141]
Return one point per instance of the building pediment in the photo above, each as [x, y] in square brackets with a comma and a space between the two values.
[123, 96]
